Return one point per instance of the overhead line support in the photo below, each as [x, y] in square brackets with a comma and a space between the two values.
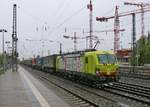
[14, 40]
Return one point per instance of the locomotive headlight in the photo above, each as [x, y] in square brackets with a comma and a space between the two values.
[108, 73]
[97, 71]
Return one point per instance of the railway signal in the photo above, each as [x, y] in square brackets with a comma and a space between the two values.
[101, 19]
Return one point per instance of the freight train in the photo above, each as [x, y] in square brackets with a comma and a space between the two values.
[90, 66]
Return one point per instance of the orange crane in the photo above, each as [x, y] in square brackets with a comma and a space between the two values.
[117, 22]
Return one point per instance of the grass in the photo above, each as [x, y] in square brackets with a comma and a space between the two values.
[1, 70]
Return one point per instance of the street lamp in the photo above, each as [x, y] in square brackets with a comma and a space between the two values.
[3, 31]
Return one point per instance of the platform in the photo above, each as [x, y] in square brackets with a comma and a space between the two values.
[21, 89]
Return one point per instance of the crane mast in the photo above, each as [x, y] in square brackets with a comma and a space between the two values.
[116, 22]
[90, 7]
[116, 30]
[141, 5]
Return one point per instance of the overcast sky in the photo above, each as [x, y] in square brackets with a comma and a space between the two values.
[47, 19]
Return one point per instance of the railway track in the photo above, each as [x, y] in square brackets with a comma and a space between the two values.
[137, 96]
[80, 99]
[118, 91]
[79, 95]
[134, 92]
[136, 81]
[135, 75]
[135, 86]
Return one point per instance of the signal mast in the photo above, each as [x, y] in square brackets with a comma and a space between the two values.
[90, 7]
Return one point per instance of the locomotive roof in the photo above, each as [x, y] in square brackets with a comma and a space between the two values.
[99, 52]
[79, 52]
[87, 51]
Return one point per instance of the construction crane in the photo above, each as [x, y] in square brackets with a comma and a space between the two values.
[90, 7]
[141, 5]
[74, 38]
[109, 30]
[102, 31]
[117, 22]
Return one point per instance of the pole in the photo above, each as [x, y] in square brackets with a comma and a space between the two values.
[14, 40]
[3, 31]
[42, 48]
[87, 42]
[133, 32]
[90, 7]
[75, 42]
[116, 31]
[3, 54]
[3, 42]
[142, 20]
[133, 39]
[60, 48]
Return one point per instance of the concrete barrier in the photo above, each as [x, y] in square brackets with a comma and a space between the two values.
[137, 69]
[147, 65]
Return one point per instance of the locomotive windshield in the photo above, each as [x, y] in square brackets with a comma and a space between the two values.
[107, 59]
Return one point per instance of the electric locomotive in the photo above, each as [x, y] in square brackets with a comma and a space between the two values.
[89, 66]
[102, 64]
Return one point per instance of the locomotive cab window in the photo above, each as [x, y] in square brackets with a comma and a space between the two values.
[86, 60]
[107, 59]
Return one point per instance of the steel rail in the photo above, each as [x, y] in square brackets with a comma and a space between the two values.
[140, 87]
[128, 94]
[130, 90]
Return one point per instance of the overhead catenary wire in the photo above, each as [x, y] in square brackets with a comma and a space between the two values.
[43, 21]
[31, 15]
[61, 7]
[67, 19]
[60, 24]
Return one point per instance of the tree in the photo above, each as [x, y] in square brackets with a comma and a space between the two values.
[1, 59]
[141, 55]
[141, 49]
